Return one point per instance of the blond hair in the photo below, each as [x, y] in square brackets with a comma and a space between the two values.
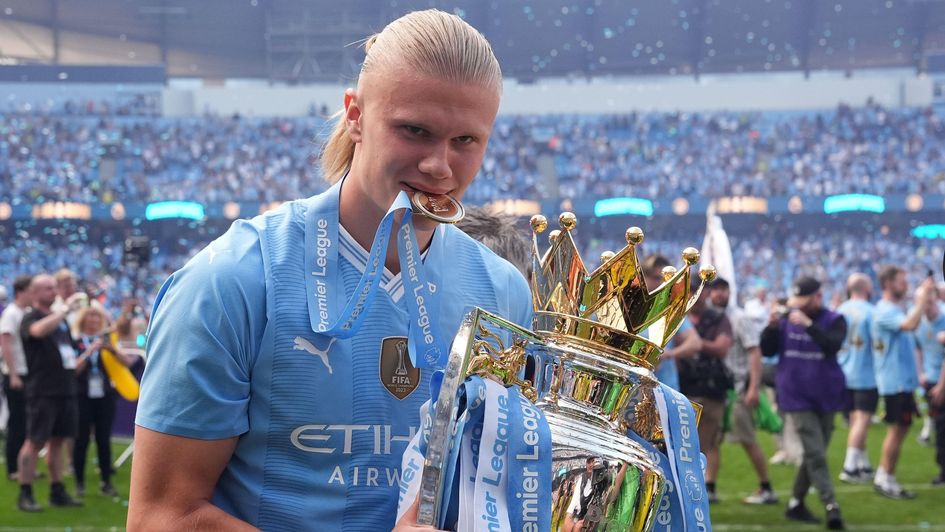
[84, 313]
[430, 42]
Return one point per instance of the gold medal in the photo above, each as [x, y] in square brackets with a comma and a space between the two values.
[441, 208]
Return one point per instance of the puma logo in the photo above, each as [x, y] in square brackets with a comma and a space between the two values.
[301, 344]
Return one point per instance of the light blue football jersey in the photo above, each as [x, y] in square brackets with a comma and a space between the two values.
[666, 371]
[322, 422]
[932, 351]
[856, 355]
[893, 350]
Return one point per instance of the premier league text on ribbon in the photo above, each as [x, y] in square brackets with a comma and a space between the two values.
[423, 319]
[322, 245]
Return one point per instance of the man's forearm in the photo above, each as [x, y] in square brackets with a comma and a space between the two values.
[754, 367]
[717, 348]
[44, 327]
[912, 320]
[205, 516]
[6, 347]
[770, 341]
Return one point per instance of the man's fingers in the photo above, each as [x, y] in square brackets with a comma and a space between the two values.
[410, 516]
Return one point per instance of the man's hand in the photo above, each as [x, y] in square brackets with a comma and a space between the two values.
[940, 337]
[16, 383]
[774, 316]
[751, 397]
[799, 318]
[408, 522]
[924, 291]
[60, 307]
[77, 301]
[937, 394]
[922, 380]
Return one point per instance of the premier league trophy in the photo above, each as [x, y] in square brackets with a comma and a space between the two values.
[588, 366]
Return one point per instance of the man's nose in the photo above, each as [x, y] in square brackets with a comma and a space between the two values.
[436, 162]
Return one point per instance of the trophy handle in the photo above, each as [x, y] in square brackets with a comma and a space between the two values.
[443, 425]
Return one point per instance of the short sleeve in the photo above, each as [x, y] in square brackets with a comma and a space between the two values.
[888, 318]
[208, 322]
[8, 322]
[520, 300]
[749, 335]
[28, 319]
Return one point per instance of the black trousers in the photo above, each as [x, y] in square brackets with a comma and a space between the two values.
[16, 425]
[97, 414]
[938, 420]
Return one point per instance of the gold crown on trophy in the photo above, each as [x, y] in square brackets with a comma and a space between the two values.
[610, 306]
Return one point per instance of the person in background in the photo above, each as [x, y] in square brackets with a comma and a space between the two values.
[706, 380]
[51, 413]
[744, 362]
[856, 359]
[499, 232]
[686, 343]
[930, 336]
[95, 395]
[897, 375]
[811, 389]
[15, 372]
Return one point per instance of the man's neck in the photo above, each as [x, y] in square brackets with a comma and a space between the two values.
[45, 309]
[891, 298]
[859, 297]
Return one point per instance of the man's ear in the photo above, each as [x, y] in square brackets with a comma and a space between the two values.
[352, 115]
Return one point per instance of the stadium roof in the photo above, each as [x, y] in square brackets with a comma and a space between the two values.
[310, 40]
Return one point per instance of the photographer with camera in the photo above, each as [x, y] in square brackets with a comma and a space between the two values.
[811, 388]
[706, 380]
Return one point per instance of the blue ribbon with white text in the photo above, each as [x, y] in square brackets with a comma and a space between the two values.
[326, 313]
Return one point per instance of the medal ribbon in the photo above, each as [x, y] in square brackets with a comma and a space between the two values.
[326, 314]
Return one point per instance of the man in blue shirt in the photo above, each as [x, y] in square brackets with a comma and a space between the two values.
[930, 335]
[856, 359]
[895, 367]
[686, 343]
[284, 380]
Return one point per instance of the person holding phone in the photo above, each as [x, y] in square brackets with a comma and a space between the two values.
[95, 395]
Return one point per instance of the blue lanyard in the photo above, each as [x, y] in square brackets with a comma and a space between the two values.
[93, 357]
[326, 314]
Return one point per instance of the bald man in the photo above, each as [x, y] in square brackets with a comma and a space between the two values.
[51, 415]
[856, 359]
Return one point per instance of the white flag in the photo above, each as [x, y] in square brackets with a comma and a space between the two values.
[717, 251]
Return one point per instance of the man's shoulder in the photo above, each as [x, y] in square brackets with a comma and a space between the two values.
[12, 313]
[492, 263]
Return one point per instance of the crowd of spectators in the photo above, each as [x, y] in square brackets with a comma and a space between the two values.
[90, 156]
[760, 260]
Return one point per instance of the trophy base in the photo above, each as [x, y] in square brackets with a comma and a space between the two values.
[602, 481]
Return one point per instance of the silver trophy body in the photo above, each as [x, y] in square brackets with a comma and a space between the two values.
[602, 479]
[588, 365]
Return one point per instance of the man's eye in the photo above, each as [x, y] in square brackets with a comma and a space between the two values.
[466, 139]
[414, 130]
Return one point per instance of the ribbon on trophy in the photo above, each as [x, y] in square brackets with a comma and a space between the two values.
[502, 449]
[685, 505]
[427, 349]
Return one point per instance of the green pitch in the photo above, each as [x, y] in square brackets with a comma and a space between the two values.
[863, 509]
